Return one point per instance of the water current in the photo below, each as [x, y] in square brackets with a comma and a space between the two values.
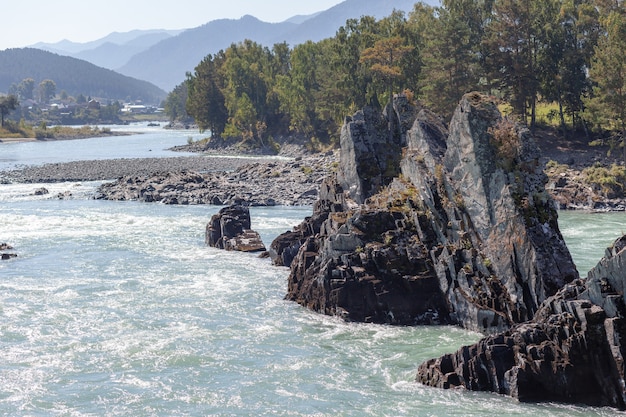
[119, 309]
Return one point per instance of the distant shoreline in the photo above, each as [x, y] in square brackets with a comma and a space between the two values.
[17, 140]
[64, 137]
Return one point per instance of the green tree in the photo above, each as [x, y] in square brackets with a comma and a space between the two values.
[570, 30]
[513, 42]
[608, 71]
[245, 118]
[26, 89]
[176, 102]
[47, 90]
[7, 105]
[384, 58]
[346, 81]
[247, 72]
[452, 52]
[298, 87]
[205, 101]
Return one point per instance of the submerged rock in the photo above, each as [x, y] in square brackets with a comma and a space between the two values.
[426, 225]
[229, 229]
[572, 351]
[6, 256]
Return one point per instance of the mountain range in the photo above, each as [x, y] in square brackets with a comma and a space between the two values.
[74, 76]
[163, 57]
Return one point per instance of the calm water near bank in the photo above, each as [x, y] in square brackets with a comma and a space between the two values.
[118, 309]
[148, 142]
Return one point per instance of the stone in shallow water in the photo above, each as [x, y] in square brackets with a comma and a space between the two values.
[229, 229]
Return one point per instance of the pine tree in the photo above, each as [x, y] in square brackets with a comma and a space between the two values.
[608, 71]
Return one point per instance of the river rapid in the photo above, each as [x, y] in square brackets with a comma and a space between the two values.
[119, 309]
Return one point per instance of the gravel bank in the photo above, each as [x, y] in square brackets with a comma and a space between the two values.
[292, 182]
[110, 169]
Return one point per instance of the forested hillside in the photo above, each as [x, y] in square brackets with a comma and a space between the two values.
[73, 76]
[566, 54]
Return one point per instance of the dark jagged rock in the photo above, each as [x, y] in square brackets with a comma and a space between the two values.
[453, 227]
[230, 229]
[285, 247]
[572, 351]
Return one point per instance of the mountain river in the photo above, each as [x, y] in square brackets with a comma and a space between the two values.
[119, 309]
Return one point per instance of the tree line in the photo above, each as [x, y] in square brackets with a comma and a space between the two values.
[571, 53]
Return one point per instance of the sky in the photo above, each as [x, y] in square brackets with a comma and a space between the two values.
[26, 22]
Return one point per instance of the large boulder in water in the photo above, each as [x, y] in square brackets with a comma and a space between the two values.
[229, 229]
[465, 235]
[573, 350]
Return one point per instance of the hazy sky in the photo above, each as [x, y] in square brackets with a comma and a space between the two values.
[25, 22]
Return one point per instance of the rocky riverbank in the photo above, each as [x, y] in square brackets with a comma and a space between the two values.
[268, 183]
[110, 169]
[295, 170]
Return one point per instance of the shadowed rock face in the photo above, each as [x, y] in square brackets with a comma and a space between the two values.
[572, 351]
[466, 234]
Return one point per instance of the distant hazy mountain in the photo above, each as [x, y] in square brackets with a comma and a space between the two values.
[163, 57]
[114, 55]
[301, 18]
[73, 76]
[67, 47]
[112, 51]
[166, 63]
[324, 25]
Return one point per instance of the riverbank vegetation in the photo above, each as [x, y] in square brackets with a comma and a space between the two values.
[564, 58]
[21, 130]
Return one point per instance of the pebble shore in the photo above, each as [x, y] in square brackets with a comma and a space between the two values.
[111, 169]
[218, 180]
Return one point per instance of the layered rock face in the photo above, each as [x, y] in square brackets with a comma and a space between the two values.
[572, 351]
[422, 225]
[229, 229]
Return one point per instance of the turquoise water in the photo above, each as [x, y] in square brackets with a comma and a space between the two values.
[118, 309]
[589, 234]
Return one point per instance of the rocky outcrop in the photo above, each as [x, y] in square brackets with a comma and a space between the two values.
[230, 229]
[454, 226]
[286, 246]
[371, 148]
[572, 351]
